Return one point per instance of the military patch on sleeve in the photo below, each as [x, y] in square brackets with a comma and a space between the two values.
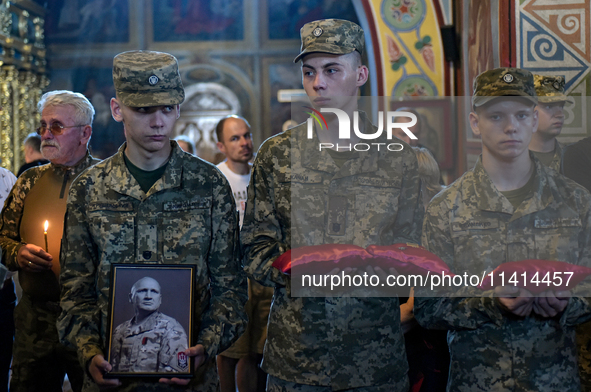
[182, 361]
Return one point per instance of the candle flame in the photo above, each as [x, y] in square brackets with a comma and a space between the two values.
[46, 226]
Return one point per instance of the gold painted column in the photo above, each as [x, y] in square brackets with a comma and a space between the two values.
[22, 76]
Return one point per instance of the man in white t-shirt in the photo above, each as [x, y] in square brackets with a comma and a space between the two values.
[235, 141]
[240, 363]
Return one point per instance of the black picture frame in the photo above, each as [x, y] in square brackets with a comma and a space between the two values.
[139, 352]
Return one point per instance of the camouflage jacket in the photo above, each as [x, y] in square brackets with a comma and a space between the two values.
[474, 228]
[150, 346]
[298, 197]
[557, 160]
[187, 217]
[10, 236]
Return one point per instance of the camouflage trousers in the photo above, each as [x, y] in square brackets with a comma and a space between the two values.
[205, 379]
[275, 384]
[584, 346]
[40, 361]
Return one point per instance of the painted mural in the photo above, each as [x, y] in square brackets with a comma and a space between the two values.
[553, 39]
[411, 48]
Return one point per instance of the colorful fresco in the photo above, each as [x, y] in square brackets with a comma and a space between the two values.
[286, 17]
[553, 39]
[87, 21]
[411, 48]
[199, 20]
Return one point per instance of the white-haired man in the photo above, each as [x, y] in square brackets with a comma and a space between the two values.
[39, 195]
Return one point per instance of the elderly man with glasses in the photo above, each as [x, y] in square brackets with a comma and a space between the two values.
[39, 196]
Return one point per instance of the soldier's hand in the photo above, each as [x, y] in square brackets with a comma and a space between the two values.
[549, 303]
[407, 316]
[33, 258]
[97, 368]
[198, 352]
[515, 300]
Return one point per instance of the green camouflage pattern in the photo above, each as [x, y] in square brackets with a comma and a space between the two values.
[36, 335]
[551, 89]
[474, 228]
[556, 163]
[500, 82]
[333, 36]
[150, 346]
[341, 342]
[40, 361]
[10, 219]
[146, 78]
[584, 346]
[187, 217]
[275, 384]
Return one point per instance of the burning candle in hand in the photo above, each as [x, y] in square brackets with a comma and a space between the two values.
[45, 233]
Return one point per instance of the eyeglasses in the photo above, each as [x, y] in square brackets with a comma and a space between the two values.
[55, 128]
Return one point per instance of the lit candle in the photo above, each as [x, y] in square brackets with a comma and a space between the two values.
[45, 233]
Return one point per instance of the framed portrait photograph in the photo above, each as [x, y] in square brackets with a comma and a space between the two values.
[150, 320]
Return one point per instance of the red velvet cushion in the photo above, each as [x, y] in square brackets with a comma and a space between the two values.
[407, 259]
[321, 258]
[554, 269]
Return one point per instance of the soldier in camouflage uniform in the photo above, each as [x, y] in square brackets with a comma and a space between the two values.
[151, 203]
[150, 341]
[509, 207]
[40, 194]
[301, 196]
[551, 101]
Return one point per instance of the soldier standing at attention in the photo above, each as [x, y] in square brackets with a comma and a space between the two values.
[151, 203]
[551, 100]
[509, 207]
[302, 196]
[40, 361]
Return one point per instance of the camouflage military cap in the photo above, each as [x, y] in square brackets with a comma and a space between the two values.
[145, 78]
[501, 82]
[333, 36]
[551, 89]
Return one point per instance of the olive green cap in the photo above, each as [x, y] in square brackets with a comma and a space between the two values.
[501, 82]
[551, 89]
[332, 36]
[146, 78]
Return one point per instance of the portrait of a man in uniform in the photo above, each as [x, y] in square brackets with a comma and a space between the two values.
[150, 342]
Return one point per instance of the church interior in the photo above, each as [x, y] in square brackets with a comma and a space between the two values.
[236, 56]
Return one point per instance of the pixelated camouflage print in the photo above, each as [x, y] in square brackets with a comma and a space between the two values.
[342, 342]
[193, 207]
[10, 220]
[584, 346]
[333, 36]
[503, 82]
[551, 89]
[146, 78]
[150, 346]
[37, 348]
[491, 350]
[40, 361]
[275, 384]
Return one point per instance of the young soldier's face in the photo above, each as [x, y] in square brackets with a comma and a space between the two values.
[551, 118]
[332, 81]
[505, 126]
[147, 128]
